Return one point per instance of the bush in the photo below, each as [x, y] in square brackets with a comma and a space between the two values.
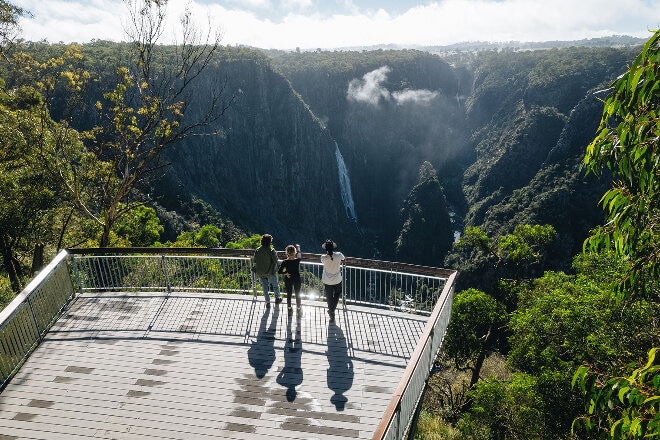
[6, 293]
[432, 427]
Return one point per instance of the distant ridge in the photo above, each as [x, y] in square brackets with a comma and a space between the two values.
[472, 46]
[611, 41]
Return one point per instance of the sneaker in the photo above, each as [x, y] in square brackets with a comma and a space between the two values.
[278, 300]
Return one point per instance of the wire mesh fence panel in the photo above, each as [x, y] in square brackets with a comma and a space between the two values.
[29, 316]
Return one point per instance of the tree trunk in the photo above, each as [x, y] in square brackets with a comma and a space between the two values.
[476, 371]
[11, 265]
[105, 237]
[37, 258]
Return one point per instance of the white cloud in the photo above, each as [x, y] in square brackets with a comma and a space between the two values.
[370, 90]
[267, 24]
[419, 96]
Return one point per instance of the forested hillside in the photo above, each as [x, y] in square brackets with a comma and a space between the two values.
[474, 160]
[505, 132]
[502, 132]
[391, 153]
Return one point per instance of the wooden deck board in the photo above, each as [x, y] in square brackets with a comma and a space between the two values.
[193, 366]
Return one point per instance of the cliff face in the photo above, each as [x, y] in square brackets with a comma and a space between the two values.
[503, 131]
[272, 169]
[495, 127]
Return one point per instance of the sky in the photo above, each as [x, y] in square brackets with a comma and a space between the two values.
[330, 24]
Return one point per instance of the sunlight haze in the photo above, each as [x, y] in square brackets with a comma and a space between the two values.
[309, 24]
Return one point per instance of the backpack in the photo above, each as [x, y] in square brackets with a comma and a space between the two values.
[263, 261]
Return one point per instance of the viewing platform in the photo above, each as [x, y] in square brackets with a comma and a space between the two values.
[116, 344]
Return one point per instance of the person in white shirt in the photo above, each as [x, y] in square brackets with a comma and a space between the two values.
[331, 277]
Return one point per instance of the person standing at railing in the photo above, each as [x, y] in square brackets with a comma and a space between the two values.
[265, 267]
[331, 277]
[290, 268]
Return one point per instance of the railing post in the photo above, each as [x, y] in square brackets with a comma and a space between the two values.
[342, 268]
[34, 318]
[167, 277]
[399, 434]
[76, 273]
[253, 275]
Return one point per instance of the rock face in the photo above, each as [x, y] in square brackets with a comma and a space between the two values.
[504, 134]
[272, 169]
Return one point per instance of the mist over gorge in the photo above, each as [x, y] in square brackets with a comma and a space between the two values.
[494, 138]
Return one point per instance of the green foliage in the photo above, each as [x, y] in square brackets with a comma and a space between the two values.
[522, 247]
[475, 329]
[426, 233]
[141, 226]
[9, 26]
[525, 244]
[140, 111]
[520, 255]
[565, 320]
[34, 200]
[207, 236]
[627, 144]
[474, 237]
[251, 242]
[433, 427]
[625, 407]
[6, 292]
[510, 409]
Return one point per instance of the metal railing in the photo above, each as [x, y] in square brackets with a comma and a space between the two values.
[398, 286]
[410, 288]
[29, 316]
[401, 410]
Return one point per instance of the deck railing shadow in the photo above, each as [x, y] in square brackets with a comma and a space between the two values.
[386, 285]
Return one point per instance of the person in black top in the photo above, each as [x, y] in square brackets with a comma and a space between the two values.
[290, 268]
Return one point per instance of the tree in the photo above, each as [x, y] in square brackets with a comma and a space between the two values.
[474, 331]
[251, 242]
[141, 227]
[485, 261]
[207, 236]
[9, 27]
[33, 199]
[511, 409]
[622, 407]
[143, 115]
[627, 144]
[627, 405]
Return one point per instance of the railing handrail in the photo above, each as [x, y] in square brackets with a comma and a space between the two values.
[31, 313]
[306, 256]
[395, 403]
[11, 308]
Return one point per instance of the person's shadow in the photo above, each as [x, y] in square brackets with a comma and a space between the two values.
[261, 353]
[292, 373]
[340, 372]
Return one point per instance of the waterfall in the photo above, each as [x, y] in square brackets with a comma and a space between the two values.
[345, 185]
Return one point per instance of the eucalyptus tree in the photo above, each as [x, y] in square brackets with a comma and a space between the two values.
[31, 196]
[9, 27]
[141, 114]
[145, 113]
[628, 405]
